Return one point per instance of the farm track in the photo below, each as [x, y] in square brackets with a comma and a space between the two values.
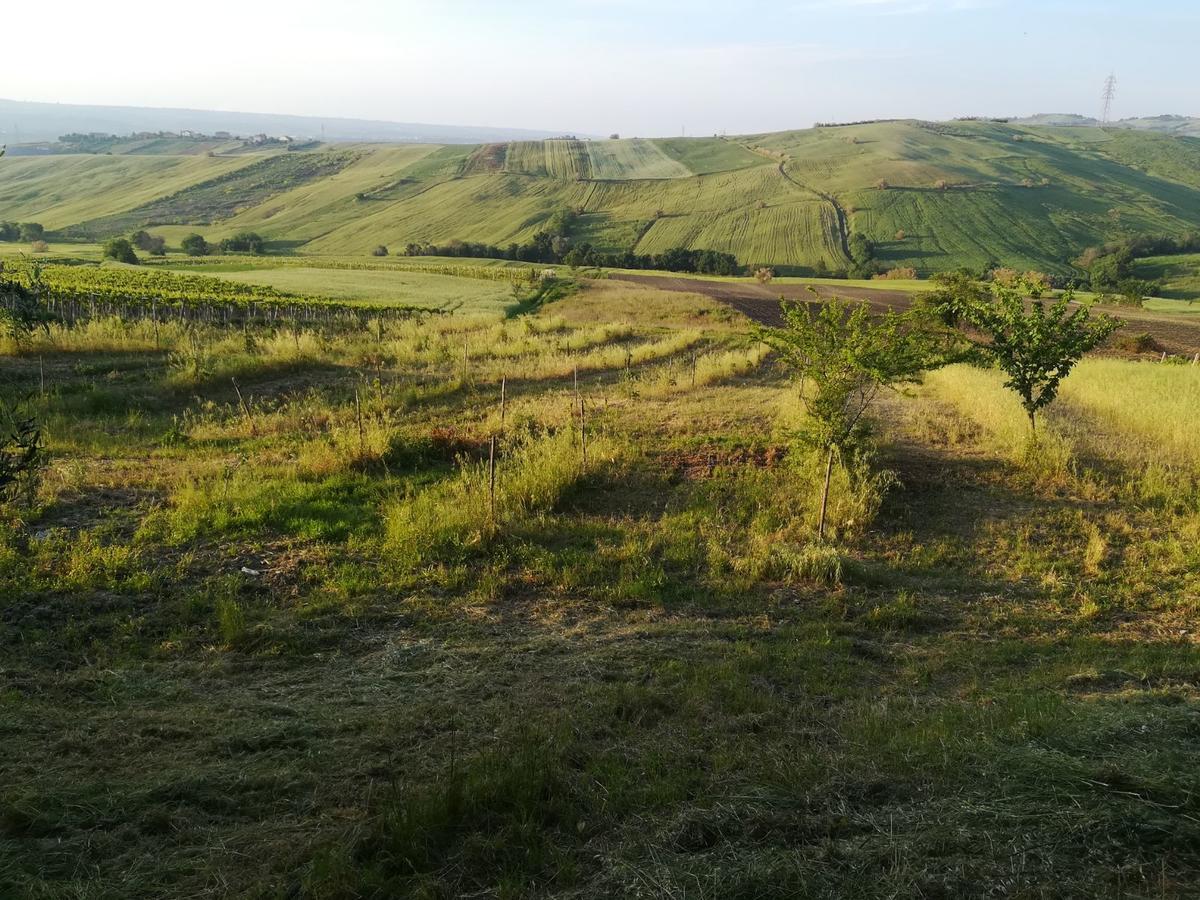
[843, 225]
[761, 304]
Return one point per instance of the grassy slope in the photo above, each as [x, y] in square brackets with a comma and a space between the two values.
[1024, 196]
[1180, 274]
[65, 190]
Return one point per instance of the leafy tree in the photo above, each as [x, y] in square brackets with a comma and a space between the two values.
[1035, 343]
[244, 242]
[144, 240]
[121, 250]
[9, 231]
[195, 245]
[1110, 270]
[31, 231]
[842, 359]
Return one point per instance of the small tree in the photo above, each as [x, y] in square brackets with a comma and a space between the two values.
[121, 250]
[381, 250]
[31, 231]
[194, 245]
[764, 275]
[1036, 344]
[144, 240]
[21, 457]
[842, 359]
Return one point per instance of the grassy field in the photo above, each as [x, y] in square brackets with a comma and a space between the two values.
[283, 643]
[1180, 275]
[398, 288]
[957, 194]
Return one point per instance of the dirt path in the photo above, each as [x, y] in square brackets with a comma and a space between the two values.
[1172, 333]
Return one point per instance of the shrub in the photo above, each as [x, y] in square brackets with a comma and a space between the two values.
[144, 240]
[381, 250]
[903, 273]
[39, 247]
[764, 275]
[21, 457]
[194, 245]
[121, 250]
[244, 242]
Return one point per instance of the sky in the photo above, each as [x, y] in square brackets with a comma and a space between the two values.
[636, 67]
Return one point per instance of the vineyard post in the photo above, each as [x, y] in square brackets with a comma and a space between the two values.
[41, 377]
[583, 430]
[245, 408]
[466, 360]
[503, 398]
[362, 441]
[492, 478]
[693, 369]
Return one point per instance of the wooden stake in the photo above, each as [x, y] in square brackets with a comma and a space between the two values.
[583, 430]
[362, 440]
[693, 370]
[825, 496]
[492, 478]
[245, 408]
[503, 385]
[41, 378]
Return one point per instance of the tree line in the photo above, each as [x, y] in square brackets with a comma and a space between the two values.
[551, 250]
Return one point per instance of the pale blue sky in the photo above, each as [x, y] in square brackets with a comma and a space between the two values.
[644, 67]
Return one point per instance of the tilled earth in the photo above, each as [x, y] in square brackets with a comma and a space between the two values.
[1171, 334]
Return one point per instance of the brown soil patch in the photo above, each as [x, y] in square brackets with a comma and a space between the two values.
[1172, 334]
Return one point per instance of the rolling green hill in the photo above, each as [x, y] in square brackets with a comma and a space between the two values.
[929, 195]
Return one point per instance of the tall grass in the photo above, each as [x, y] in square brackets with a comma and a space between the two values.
[450, 520]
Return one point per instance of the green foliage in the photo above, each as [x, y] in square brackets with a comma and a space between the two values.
[195, 245]
[1035, 343]
[21, 452]
[150, 243]
[121, 250]
[842, 358]
[31, 231]
[244, 242]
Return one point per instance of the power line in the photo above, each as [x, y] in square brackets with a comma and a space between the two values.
[1110, 91]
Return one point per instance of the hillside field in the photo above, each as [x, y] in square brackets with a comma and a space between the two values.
[265, 632]
[932, 196]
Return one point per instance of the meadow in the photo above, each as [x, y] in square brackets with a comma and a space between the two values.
[271, 628]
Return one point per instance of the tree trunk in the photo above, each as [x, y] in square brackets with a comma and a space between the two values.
[825, 495]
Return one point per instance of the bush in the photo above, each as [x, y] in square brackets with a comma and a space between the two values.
[21, 457]
[39, 247]
[144, 240]
[905, 273]
[31, 231]
[121, 250]
[764, 275]
[381, 250]
[10, 231]
[195, 245]
[244, 242]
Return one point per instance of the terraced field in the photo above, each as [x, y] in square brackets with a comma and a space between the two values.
[932, 196]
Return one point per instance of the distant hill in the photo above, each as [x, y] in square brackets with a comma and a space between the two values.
[931, 196]
[1188, 126]
[22, 122]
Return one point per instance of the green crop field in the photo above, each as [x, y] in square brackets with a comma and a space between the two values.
[931, 196]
